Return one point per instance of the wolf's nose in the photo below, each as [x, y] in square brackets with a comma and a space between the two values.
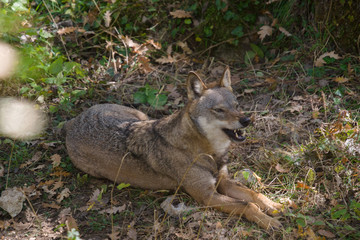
[245, 121]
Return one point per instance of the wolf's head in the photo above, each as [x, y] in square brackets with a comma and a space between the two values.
[215, 111]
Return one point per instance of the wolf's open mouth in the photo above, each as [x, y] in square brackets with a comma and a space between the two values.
[235, 135]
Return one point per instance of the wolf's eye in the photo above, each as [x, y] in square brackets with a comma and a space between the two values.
[219, 110]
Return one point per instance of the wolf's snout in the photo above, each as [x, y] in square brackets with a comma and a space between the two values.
[245, 121]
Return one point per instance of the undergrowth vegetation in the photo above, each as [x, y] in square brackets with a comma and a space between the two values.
[289, 73]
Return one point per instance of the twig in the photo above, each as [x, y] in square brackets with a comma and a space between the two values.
[8, 171]
[57, 27]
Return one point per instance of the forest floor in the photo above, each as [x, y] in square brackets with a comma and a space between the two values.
[298, 147]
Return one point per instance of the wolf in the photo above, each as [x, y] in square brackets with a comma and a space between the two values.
[187, 149]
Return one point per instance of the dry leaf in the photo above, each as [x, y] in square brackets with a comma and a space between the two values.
[95, 196]
[56, 160]
[129, 42]
[19, 226]
[114, 235]
[326, 233]
[156, 45]
[71, 223]
[34, 159]
[64, 194]
[281, 169]
[63, 214]
[57, 185]
[184, 47]
[107, 18]
[68, 30]
[132, 234]
[283, 30]
[341, 79]
[265, 31]
[145, 64]
[180, 14]
[41, 166]
[164, 60]
[320, 61]
[50, 205]
[47, 190]
[249, 90]
[302, 185]
[270, 80]
[294, 107]
[114, 209]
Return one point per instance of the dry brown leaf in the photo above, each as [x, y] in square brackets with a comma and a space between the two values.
[18, 226]
[59, 172]
[145, 64]
[130, 43]
[132, 234]
[341, 79]
[68, 30]
[298, 98]
[165, 59]
[114, 235]
[50, 205]
[56, 160]
[294, 107]
[63, 214]
[57, 185]
[249, 90]
[265, 31]
[114, 209]
[283, 30]
[34, 159]
[156, 45]
[107, 18]
[310, 234]
[71, 223]
[64, 194]
[48, 191]
[320, 60]
[94, 197]
[281, 169]
[270, 80]
[326, 233]
[180, 14]
[184, 47]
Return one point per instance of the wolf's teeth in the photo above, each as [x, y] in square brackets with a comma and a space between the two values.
[236, 134]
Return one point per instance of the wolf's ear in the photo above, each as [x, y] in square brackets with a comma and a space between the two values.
[195, 86]
[226, 79]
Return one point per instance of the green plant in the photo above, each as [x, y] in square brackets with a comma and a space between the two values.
[151, 96]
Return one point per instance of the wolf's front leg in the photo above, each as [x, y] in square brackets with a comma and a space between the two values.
[237, 190]
[201, 186]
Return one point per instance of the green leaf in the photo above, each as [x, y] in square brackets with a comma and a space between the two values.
[140, 97]
[122, 185]
[78, 93]
[157, 101]
[246, 175]
[238, 31]
[56, 67]
[338, 214]
[249, 56]
[301, 222]
[319, 223]
[229, 15]
[257, 50]
[187, 21]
